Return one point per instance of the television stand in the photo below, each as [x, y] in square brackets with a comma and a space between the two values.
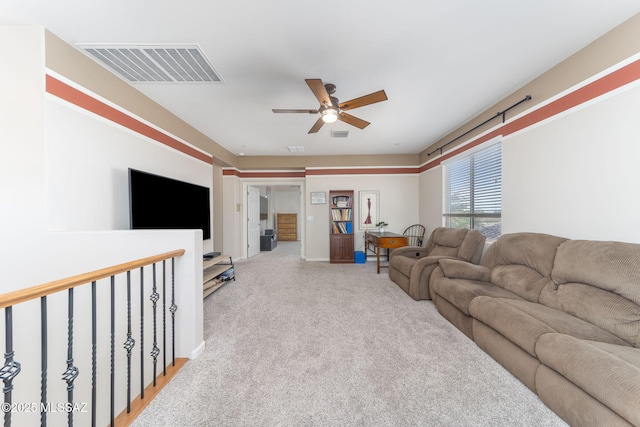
[216, 272]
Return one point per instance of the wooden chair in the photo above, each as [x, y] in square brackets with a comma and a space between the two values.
[415, 233]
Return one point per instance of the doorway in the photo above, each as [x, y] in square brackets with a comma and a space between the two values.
[279, 197]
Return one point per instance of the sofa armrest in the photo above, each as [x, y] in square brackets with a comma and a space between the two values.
[458, 269]
[409, 251]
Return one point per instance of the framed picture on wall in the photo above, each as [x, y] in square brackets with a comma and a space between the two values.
[318, 198]
[369, 209]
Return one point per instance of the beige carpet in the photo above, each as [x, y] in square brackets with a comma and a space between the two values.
[297, 343]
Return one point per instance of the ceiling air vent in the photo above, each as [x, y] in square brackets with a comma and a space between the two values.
[339, 133]
[155, 64]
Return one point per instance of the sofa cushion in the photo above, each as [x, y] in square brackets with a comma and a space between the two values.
[598, 282]
[522, 262]
[456, 242]
[519, 279]
[524, 322]
[445, 241]
[573, 404]
[404, 264]
[456, 269]
[460, 292]
[610, 373]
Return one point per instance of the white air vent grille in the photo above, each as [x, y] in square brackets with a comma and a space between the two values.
[157, 64]
[339, 133]
[295, 149]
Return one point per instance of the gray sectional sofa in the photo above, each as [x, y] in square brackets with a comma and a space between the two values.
[561, 315]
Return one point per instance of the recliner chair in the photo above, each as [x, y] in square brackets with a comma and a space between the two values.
[410, 267]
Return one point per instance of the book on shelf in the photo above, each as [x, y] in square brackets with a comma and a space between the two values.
[342, 228]
[342, 201]
[341, 214]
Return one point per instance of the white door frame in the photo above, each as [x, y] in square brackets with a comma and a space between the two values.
[252, 202]
[266, 182]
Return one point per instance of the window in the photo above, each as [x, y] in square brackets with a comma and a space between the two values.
[472, 190]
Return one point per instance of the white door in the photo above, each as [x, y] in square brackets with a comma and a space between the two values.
[253, 221]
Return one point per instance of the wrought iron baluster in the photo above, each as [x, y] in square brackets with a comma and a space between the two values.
[129, 343]
[173, 310]
[71, 373]
[43, 360]
[164, 318]
[155, 351]
[113, 351]
[94, 353]
[141, 332]
[11, 367]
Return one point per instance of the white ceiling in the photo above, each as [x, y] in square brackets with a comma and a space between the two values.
[440, 62]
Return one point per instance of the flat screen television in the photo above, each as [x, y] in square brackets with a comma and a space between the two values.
[158, 202]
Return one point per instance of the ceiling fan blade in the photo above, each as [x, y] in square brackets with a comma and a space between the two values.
[372, 98]
[317, 125]
[353, 121]
[318, 89]
[284, 110]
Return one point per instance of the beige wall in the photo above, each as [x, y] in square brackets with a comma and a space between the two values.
[398, 206]
[301, 162]
[430, 183]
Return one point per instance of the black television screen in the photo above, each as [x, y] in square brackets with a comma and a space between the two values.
[158, 202]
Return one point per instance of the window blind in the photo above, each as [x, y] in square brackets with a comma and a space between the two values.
[472, 191]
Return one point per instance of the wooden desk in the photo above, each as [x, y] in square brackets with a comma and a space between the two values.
[375, 241]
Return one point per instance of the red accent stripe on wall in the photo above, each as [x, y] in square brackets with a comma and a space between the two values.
[317, 172]
[363, 171]
[262, 174]
[608, 83]
[68, 93]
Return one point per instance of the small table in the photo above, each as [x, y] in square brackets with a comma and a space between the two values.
[374, 241]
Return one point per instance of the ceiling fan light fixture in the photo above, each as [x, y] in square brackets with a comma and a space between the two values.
[329, 115]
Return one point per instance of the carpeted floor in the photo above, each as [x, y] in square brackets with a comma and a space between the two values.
[298, 343]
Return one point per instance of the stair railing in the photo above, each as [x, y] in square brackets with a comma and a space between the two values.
[152, 293]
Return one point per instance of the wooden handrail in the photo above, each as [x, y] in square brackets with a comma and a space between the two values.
[27, 294]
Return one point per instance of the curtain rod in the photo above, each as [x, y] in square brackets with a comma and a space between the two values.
[501, 113]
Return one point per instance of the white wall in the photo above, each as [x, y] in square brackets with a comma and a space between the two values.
[232, 216]
[53, 188]
[87, 169]
[574, 175]
[577, 175]
[22, 152]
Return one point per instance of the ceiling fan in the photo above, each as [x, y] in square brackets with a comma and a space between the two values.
[331, 109]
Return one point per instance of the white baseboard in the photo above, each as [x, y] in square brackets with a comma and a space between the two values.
[197, 351]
